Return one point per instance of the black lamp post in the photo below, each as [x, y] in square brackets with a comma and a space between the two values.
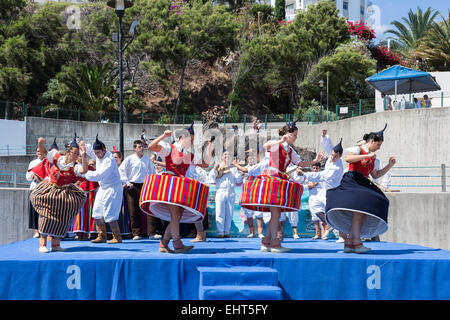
[321, 83]
[120, 6]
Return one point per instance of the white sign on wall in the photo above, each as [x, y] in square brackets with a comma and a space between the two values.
[13, 137]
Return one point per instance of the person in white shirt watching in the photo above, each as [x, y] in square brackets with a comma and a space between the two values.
[132, 173]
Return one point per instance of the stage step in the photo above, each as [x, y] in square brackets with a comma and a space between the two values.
[240, 293]
[239, 283]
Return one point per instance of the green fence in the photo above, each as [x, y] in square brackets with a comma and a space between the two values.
[18, 111]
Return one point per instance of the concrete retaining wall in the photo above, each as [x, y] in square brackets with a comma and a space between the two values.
[421, 219]
[14, 215]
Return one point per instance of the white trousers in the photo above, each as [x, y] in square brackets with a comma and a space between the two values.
[108, 202]
[224, 210]
[253, 214]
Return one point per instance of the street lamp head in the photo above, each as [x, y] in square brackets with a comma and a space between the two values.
[321, 83]
[120, 5]
[132, 31]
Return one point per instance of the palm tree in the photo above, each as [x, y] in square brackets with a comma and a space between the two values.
[435, 47]
[410, 32]
[91, 88]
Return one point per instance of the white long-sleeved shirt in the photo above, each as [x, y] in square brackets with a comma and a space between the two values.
[385, 180]
[258, 168]
[228, 180]
[332, 174]
[106, 172]
[134, 169]
[29, 175]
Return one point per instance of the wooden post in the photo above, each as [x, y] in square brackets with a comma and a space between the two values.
[443, 178]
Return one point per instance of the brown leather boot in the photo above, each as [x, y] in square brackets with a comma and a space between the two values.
[265, 244]
[201, 237]
[179, 247]
[164, 246]
[101, 232]
[117, 238]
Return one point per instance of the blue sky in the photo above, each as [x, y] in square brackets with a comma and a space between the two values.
[391, 10]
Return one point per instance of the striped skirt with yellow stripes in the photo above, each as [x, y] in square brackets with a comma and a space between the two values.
[271, 190]
[160, 190]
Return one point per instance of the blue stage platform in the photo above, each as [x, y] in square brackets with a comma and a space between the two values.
[223, 269]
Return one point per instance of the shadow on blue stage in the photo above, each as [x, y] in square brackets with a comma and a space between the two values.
[224, 269]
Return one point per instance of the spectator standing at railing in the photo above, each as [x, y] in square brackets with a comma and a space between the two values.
[387, 102]
[417, 104]
[427, 101]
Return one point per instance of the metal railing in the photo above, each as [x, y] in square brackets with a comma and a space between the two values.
[18, 111]
[426, 177]
[422, 177]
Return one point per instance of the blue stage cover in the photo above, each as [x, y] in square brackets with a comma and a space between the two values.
[223, 269]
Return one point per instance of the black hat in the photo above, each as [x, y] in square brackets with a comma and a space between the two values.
[191, 128]
[338, 148]
[54, 145]
[380, 133]
[292, 124]
[74, 143]
[98, 145]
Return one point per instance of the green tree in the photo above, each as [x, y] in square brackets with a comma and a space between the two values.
[274, 65]
[83, 87]
[32, 45]
[410, 32]
[348, 67]
[173, 38]
[435, 46]
[280, 9]
[13, 84]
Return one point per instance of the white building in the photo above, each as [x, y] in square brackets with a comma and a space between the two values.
[354, 10]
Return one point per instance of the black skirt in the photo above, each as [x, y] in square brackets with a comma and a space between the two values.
[359, 194]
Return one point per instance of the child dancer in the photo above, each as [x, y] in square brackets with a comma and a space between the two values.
[226, 178]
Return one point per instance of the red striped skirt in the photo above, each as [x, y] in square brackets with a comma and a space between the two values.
[160, 190]
[57, 207]
[271, 190]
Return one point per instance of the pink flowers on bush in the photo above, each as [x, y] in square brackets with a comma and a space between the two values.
[177, 6]
[283, 22]
[361, 30]
[385, 56]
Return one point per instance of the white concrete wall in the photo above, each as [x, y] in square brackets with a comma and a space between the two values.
[14, 215]
[418, 218]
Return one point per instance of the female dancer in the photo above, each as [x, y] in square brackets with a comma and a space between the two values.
[273, 191]
[175, 195]
[357, 207]
[58, 200]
